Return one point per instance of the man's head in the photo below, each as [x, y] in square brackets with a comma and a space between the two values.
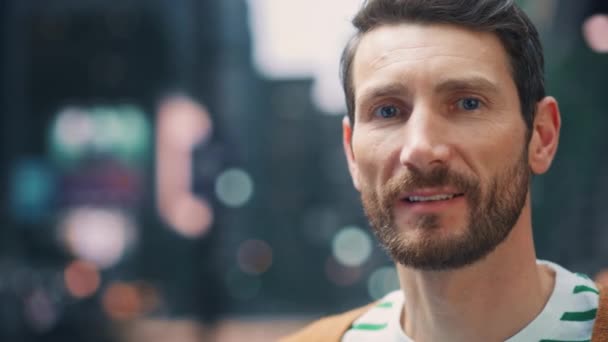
[503, 18]
[447, 119]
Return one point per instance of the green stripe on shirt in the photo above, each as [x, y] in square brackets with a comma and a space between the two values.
[579, 316]
[584, 288]
[369, 327]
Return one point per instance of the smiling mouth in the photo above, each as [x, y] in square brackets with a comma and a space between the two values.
[433, 198]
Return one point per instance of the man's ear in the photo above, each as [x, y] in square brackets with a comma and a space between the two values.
[347, 135]
[545, 135]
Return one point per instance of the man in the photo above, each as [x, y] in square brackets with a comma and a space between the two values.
[447, 122]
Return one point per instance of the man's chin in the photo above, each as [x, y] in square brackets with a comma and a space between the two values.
[437, 249]
[431, 227]
[433, 262]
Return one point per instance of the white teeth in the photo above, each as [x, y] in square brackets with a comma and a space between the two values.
[429, 198]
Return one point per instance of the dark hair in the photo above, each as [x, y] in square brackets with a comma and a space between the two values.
[502, 17]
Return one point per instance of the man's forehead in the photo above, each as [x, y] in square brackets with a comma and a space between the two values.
[425, 35]
[410, 43]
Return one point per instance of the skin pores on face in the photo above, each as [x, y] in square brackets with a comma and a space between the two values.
[433, 100]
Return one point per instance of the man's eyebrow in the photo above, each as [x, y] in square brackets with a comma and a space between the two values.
[386, 90]
[473, 83]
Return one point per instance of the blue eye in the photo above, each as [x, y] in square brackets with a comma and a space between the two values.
[469, 104]
[387, 112]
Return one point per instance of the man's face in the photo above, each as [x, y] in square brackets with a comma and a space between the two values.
[438, 148]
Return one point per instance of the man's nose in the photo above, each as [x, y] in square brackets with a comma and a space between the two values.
[425, 141]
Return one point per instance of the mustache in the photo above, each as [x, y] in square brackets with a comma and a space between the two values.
[438, 177]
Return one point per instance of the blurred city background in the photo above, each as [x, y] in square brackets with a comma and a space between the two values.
[172, 170]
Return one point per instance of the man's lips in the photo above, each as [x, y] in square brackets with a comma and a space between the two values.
[430, 202]
[430, 195]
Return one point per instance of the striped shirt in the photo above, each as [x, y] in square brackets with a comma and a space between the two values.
[568, 316]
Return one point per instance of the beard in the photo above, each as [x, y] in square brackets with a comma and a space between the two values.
[493, 211]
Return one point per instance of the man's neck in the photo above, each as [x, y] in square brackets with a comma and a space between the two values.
[490, 300]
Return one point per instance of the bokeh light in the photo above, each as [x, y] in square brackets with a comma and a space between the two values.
[234, 187]
[74, 129]
[151, 298]
[122, 301]
[595, 31]
[254, 256]
[40, 311]
[32, 188]
[121, 131]
[341, 275]
[190, 216]
[182, 125]
[81, 279]
[97, 235]
[103, 140]
[352, 246]
[382, 281]
[182, 122]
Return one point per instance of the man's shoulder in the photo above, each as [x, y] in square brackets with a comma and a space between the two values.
[600, 329]
[329, 329]
[332, 328]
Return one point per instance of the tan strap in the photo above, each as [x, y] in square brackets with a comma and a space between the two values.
[600, 328]
[328, 329]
